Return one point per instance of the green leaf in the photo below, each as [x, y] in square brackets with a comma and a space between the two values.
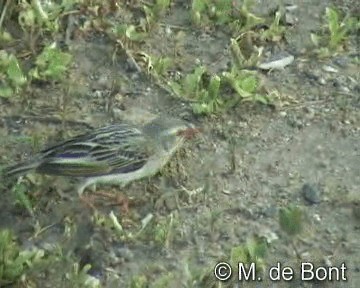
[333, 20]
[14, 72]
[214, 87]
[51, 64]
[6, 91]
[161, 6]
[133, 35]
[291, 220]
[249, 84]
[176, 87]
[192, 82]
[198, 5]
[257, 248]
[21, 197]
[239, 254]
[14, 261]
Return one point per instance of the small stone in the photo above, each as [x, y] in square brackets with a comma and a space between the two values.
[283, 113]
[311, 194]
[330, 69]
[270, 211]
[322, 81]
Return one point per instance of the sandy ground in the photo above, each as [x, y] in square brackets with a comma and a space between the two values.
[228, 184]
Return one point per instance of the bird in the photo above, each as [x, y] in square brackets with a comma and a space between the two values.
[114, 154]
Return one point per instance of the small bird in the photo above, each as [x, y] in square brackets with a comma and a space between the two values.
[115, 154]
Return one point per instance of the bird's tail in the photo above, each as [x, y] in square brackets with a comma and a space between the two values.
[20, 169]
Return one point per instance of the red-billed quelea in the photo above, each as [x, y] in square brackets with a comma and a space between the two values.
[115, 154]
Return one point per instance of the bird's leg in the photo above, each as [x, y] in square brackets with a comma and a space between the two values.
[82, 186]
[86, 199]
[117, 199]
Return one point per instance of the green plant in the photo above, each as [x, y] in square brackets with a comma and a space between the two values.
[163, 231]
[51, 64]
[153, 12]
[14, 262]
[79, 278]
[21, 197]
[275, 31]
[337, 31]
[246, 86]
[209, 100]
[205, 90]
[222, 12]
[139, 281]
[291, 220]
[35, 20]
[111, 223]
[246, 20]
[12, 78]
[254, 251]
[156, 66]
[198, 7]
[204, 93]
[128, 33]
[240, 54]
[219, 12]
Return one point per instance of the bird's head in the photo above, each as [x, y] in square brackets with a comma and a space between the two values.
[170, 131]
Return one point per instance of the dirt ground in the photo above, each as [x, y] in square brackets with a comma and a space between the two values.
[229, 183]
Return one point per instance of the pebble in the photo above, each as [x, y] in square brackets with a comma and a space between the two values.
[311, 193]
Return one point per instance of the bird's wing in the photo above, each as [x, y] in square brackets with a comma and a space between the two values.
[112, 149]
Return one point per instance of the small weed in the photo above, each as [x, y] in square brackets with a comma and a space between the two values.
[198, 7]
[221, 11]
[246, 20]
[35, 21]
[79, 278]
[254, 251]
[224, 12]
[291, 220]
[51, 64]
[111, 223]
[246, 86]
[163, 231]
[276, 30]
[14, 261]
[5, 38]
[209, 100]
[156, 66]
[13, 79]
[252, 255]
[128, 33]
[152, 13]
[207, 12]
[336, 32]
[205, 93]
[21, 197]
[139, 281]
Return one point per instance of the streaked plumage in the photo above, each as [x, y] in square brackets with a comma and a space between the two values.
[115, 154]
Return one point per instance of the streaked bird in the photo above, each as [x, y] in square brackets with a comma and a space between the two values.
[115, 154]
